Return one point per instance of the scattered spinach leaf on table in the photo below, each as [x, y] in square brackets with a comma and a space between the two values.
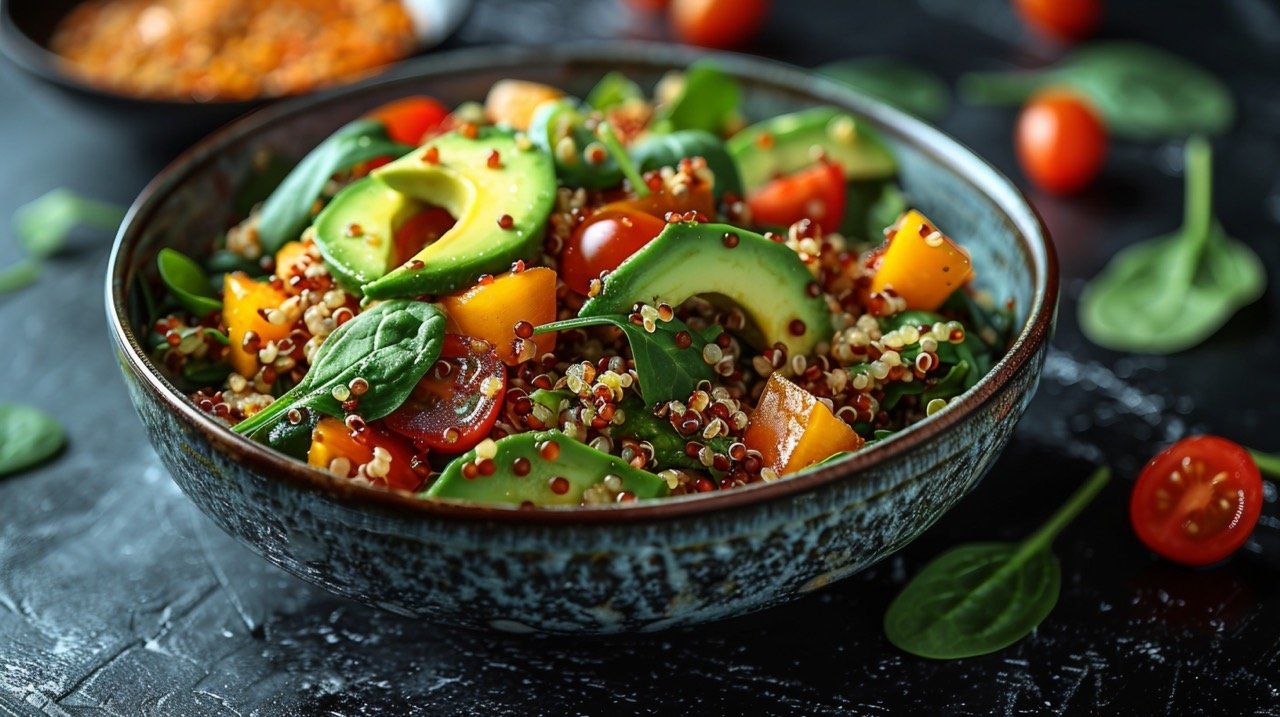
[19, 276]
[187, 282]
[43, 225]
[1142, 92]
[28, 437]
[391, 345]
[978, 598]
[894, 82]
[1170, 293]
[664, 371]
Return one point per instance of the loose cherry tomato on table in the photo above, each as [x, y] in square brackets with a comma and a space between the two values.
[411, 119]
[1197, 501]
[1066, 20]
[719, 24]
[456, 404]
[816, 193]
[1061, 141]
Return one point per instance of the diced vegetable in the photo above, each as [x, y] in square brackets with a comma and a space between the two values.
[490, 311]
[456, 403]
[411, 119]
[242, 299]
[332, 440]
[512, 102]
[921, 264]
[793, 430]
[289, 260]
[816, 194]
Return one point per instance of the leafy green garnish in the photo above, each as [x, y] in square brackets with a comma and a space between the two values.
[870, 206]
[391, 345]
[562, 120]
[978, 598]
[199, 372]
[43, 225]
[666, 150]
[894, 82]
[668, 445]
[28, 436]
[665, 371]
[609, 138]
[19, 275]
[187, 282]
[1141, 91]
[288, 210]
[708, 100]
[1170, 293]
[612, 90]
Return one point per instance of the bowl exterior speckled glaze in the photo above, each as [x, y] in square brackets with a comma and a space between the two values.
[607, 569]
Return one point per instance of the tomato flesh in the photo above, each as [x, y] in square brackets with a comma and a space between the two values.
[1197, 501]
[419, 230]
[816, 193]
[411, 119]
[1061, 142]
[457, 402]
[718, 24]
[605, 240]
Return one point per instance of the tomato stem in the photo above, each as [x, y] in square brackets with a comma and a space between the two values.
[1268, 463]
[1042, 538]
[609, 138]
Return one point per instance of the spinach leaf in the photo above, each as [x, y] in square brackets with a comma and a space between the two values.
[708, 100]
[19, 275]
[870, 206]
[1170, 293]
[668, 445]
[612, 90]
[894, 82]
[1142, 92]
[187, 282]
[666, 150]
[28, 436]
[294, 439]
[391, 345]
[288, 210]
[203, 373]
[558, 128]
[44, 224]
[665, 371]
[978, 598]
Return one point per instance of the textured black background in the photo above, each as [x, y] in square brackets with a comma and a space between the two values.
[117, 597]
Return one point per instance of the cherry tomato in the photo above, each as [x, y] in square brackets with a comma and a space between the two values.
[718, 24]
[816, 193]
[420, 230]
[1197, 501]
[456, 404]
[411, 119]
[1061, 142]
[1066, 20]
[602, 242]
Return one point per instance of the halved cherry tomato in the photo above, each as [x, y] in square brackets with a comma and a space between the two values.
[420, 230]
[1061, 141]
[456, 404]
[1066, 20]
[717, 23]
[816, 193]
[603, 241]
[1197, 501]
[411, 119]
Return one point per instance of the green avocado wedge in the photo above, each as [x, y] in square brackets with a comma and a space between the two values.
[500, 207]
[546, 468]
[786, 144]
[356, 231]
[764, 278]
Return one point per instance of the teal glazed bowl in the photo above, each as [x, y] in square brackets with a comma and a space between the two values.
[609, 569]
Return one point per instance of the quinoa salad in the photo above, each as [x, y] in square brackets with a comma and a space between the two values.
[541, 300]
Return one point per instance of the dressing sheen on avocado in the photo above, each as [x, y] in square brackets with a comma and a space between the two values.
[785, 144]
[500, 205]
[766, 279]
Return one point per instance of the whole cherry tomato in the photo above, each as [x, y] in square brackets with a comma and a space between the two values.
[1066, 20]
[1197, 501]
[1060, 141]
[816, 193]
[456, 404]
[605, 240]
[718, 24]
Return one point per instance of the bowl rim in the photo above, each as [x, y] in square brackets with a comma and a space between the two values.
[1027, 224]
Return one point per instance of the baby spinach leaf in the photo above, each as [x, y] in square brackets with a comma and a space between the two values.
[28, 437]
[668, 445]
[870, 206]
[665, 371]
[294, 439]
[1142, 92]
[44, 224]
[1170, 293]
[391, 345]
[19, 275]
[288, 210]
[894, 82]
[562, 121]
[978, 598]
[612, 90]
[666, 150]
[708, 100]
[187, 282]
[203, 373]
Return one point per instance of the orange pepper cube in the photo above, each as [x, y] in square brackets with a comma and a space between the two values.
[490, 310]
[242, 297]
[921, 264]
[793, 430]
[331, 440]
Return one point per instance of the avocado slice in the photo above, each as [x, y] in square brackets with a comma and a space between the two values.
[356, 231]
[501, 210]
[763, 277]
[557, 471]
[784, 144]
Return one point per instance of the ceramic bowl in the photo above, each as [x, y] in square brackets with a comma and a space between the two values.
[607, 569]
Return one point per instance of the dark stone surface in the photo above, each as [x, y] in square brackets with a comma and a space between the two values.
[117, 597]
